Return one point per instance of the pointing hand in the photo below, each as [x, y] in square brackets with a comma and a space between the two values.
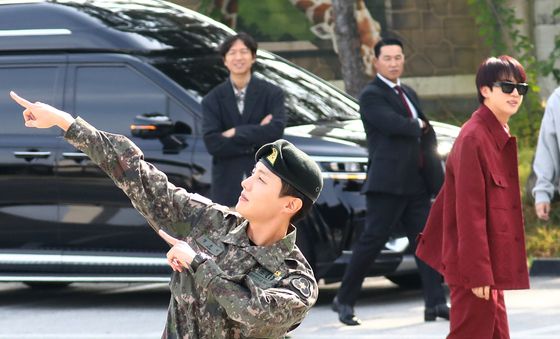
[40, 115]
[180, 255]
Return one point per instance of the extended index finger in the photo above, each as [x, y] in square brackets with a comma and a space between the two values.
[169, 239]
[20, 100]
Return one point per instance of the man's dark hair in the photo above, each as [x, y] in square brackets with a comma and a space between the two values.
[497, 69]
[289, 190]
[247, 40]
[386, 42]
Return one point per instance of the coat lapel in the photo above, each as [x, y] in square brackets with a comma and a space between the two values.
[230, 104]
[415, 102]
[251, 96]
[392, 96]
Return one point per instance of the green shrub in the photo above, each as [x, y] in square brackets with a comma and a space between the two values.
[542, 237]
[543, 241]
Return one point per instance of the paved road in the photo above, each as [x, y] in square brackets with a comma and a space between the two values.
[388, 312]
[138, 311]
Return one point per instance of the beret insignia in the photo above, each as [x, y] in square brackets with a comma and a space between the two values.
[273, 155]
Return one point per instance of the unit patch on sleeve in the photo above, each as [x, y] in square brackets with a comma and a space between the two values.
[302, 285]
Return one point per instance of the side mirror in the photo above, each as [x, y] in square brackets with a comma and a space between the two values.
[151, 126]
[159, 126]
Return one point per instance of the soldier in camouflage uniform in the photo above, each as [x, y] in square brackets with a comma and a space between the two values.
[237, 274]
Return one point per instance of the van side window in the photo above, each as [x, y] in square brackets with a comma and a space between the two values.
[111, 97]
[34, 83]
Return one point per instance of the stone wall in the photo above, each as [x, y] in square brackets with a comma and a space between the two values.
[440, 36]
[443, 50]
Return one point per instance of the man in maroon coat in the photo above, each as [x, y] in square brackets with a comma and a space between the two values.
[474, 235]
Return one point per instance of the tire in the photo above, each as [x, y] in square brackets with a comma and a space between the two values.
[407, 281]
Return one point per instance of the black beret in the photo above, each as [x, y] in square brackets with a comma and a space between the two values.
[293, 166]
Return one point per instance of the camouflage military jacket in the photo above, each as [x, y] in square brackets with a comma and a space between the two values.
[243, 290]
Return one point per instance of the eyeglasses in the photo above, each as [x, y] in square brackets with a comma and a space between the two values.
[507, 87]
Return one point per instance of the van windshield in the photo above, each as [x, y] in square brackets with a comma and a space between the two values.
[308, 98]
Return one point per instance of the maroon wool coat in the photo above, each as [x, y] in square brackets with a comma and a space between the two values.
[474, 235]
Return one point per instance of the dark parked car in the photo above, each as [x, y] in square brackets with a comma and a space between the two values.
[122, 63]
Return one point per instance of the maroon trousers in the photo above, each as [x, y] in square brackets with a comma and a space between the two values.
[473, 317]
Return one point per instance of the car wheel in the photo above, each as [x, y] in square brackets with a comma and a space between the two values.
[408, 281]
[46, 285]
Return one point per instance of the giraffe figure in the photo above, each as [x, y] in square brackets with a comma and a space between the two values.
[229, 9]
[320, 14]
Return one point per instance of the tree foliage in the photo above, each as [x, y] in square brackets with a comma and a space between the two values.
[499, 27]
[549, 65]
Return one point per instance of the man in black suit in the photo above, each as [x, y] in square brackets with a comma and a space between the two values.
[404, 172]
[239, 116]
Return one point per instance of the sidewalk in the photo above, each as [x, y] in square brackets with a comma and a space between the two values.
[388, 312]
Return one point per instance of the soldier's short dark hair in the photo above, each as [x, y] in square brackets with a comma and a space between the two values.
[496, 69]
[289, 190]
[247, 40]
[386, 42]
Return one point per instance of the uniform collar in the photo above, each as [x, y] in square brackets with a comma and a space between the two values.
[501, 137]
[271, 257]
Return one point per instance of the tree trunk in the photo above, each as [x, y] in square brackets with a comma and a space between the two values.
[348, 46]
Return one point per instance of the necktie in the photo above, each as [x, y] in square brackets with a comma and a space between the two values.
[403, 99]
[409, 111]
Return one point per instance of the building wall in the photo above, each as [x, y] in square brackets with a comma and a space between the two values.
[441, 36]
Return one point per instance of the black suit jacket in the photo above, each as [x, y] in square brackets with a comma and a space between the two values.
[395, 142]
[233, 158]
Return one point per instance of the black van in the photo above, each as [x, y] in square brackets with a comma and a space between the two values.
[116, 63]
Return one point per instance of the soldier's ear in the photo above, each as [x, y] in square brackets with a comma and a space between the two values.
[293, 205]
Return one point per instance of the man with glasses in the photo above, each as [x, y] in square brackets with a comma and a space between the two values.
[239, 116]
[474, 235]
[547, 157]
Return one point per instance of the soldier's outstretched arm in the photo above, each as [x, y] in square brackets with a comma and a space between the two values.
[160, 202]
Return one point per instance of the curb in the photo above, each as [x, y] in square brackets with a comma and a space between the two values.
[545, 267]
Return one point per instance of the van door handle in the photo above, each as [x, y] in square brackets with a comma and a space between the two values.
[31, 155]
[75, 155]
